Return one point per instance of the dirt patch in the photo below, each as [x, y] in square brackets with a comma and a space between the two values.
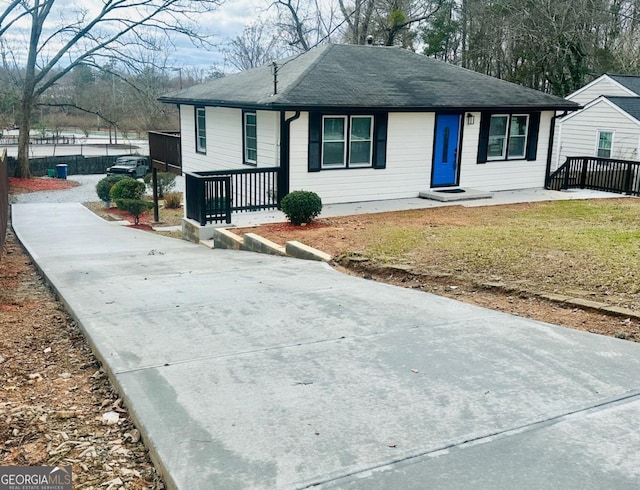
[515, 302]
[353, 241]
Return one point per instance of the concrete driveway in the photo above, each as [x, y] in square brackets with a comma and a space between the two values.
[252, 371]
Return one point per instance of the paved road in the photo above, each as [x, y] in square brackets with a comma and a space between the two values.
[251, 371]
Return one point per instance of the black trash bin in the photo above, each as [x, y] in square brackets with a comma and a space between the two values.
[61, 171]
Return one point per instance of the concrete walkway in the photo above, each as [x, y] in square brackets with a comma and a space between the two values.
[253, 371]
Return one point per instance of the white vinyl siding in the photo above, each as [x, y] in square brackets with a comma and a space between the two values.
[602, 86]
[224, 139]
[501, 175]
[578, 135]
[407, 172]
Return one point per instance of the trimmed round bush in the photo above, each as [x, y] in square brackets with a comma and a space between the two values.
[301, 206]
[103, 187]
[166, 182]
[128, 188]
[135, 207]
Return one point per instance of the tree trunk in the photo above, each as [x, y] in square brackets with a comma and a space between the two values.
[23, 170]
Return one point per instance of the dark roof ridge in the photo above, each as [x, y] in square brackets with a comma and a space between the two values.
[622, 75]
[306, 71]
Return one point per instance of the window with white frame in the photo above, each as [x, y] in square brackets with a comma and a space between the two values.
[508, 136]
[347, 141]
[605, 144]
[201, 130]
[250, 138]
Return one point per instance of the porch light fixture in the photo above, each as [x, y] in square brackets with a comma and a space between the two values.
[470, 119]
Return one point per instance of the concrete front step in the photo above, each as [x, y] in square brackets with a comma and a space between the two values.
[226, 239]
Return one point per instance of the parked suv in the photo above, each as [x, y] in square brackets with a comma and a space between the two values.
[133, 166]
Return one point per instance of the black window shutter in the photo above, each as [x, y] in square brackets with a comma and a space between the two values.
[380, 139]
[483, 142]
[532, 137]
[315, 141]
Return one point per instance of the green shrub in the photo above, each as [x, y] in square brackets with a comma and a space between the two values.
[301, 206]
[166, 182]
[103, 187]
[172, 200]
[128, 188]
[135, 207]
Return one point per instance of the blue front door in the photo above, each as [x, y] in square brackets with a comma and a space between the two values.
[445, 151]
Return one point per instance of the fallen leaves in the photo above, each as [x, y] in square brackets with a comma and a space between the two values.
[53, 393]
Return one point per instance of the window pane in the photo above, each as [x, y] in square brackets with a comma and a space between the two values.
[360, 153]
[497, 137]
[518, 136]
[250, 138]
[333, 154]
[605, 144]
[360, 128]
[333, 129]
[518, 125]
[516, 146]
[498, 126]
[201, 129]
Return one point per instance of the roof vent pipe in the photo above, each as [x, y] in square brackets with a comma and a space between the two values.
[274, 71]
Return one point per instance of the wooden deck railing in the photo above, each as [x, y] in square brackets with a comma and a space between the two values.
[165, 152]
[602, 174]
[213, 196]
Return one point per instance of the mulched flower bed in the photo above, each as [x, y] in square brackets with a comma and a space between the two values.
[20, 186]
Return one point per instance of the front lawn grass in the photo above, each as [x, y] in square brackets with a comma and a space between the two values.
[571, 247]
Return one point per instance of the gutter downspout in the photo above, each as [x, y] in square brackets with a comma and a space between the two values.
[283, 174]
[552, 132]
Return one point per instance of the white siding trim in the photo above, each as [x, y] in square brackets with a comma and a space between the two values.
[599, 100]
[224, 139]
[407, 172]
[578, 134]
[598, 80]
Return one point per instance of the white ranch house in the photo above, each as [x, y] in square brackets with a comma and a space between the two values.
[362, 123]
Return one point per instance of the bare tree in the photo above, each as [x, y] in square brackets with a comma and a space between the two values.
[60, 38]
[304, 24]
[256, 46]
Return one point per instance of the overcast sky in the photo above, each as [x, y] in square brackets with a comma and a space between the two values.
[225, 23]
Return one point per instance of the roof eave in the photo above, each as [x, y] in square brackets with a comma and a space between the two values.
[276, 106]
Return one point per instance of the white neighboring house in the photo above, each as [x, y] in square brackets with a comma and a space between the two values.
[608, 125]
[364, 123]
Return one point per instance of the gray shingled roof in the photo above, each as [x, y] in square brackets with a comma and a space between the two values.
[631, 82]
[348, 76]
[630, 105]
